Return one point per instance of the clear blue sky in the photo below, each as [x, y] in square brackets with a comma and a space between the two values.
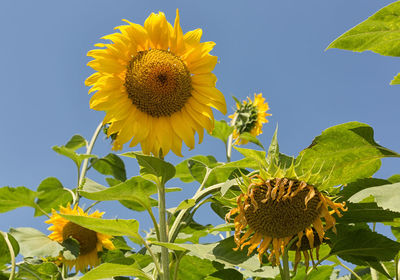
[275, 47]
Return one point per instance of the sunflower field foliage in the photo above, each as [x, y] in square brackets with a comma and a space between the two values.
[305, 216]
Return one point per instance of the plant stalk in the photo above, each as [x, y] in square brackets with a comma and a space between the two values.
[12, 254]
[163, 230]
[86, 160]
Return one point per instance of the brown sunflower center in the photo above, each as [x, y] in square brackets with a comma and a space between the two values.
[158, 82]
[278, 208]
[87, 238]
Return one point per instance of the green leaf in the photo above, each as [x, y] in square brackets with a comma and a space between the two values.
[355, 243]
[386, 196]
[44, 271]
[51, 195]
[203, 267]
[107, 270]
[70, 153]
[222, 130]
[34, 243]
[192, 232]
[5, 256]
[153, 168]
[111, 164]
[273, 150]
[251, 138]
[133, 193]
[342, 154]
[360, 185]
[11, 198]
[394, 178]
[120, 243]
[380, 33]
[323, 272]
[366, 213]
[223, 253]
[76, 142]
[258, 156]
[396, 80]
[117, 227]
[225, 274]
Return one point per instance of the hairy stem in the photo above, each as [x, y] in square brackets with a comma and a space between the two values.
[350, 270]
[163, 229]
[86, 160]
[12, 254]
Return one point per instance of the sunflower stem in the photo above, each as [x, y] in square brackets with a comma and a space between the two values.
[285, 272]
[153, 218]
[86, 161]
[350, 270]
[163, 229]
[230, 140]
[12, 254]
[155, 260]
[200, 193]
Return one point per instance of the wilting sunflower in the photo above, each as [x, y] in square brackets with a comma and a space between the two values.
[155, 85]
[249, 117]
[90, 242]
[276, 210]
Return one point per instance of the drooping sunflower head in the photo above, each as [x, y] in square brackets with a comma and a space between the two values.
[90, 242]
[272, 211]
[249, 117]
[155, 85]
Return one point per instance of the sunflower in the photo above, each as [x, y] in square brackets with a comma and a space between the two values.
[277, 210]
[155, 85]
[249, 117]
[90, 242]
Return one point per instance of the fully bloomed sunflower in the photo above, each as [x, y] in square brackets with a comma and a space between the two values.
[279, 209]
[90, 242]
[249, 117]
[155, 85]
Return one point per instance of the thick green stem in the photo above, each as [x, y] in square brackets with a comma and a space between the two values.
[350, 270]
[230, 141]
[163, 230]
[285, 272]
[86, 160]
[12, 254]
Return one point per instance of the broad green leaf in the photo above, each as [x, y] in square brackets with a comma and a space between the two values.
[198, 166]
[42, 271]
[366, 213]
[223, 253]
[360, 185]
[246, 163]
[353, 242]
[70, 153]
[76, 142]
[120, 243]
[380, 33]
[111, 164]
[111, 270]
[192, 232]
[323, 272]
[92, 186]
[51, 194]
[5, 256]
[258, 156]
[203, 267]
[386, 196]
[394, 178]
[34, 243]
[396, 80]
[117, 227]
[116, 256]
[11, 198]
[225, 274]
[342, 154]
[251, 138]
[222, 130]
[133, 193]
[153, 168]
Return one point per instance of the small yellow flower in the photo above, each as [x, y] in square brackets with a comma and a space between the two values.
[277, 210]
[90, 242]
[250, 117]
[155, 85]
